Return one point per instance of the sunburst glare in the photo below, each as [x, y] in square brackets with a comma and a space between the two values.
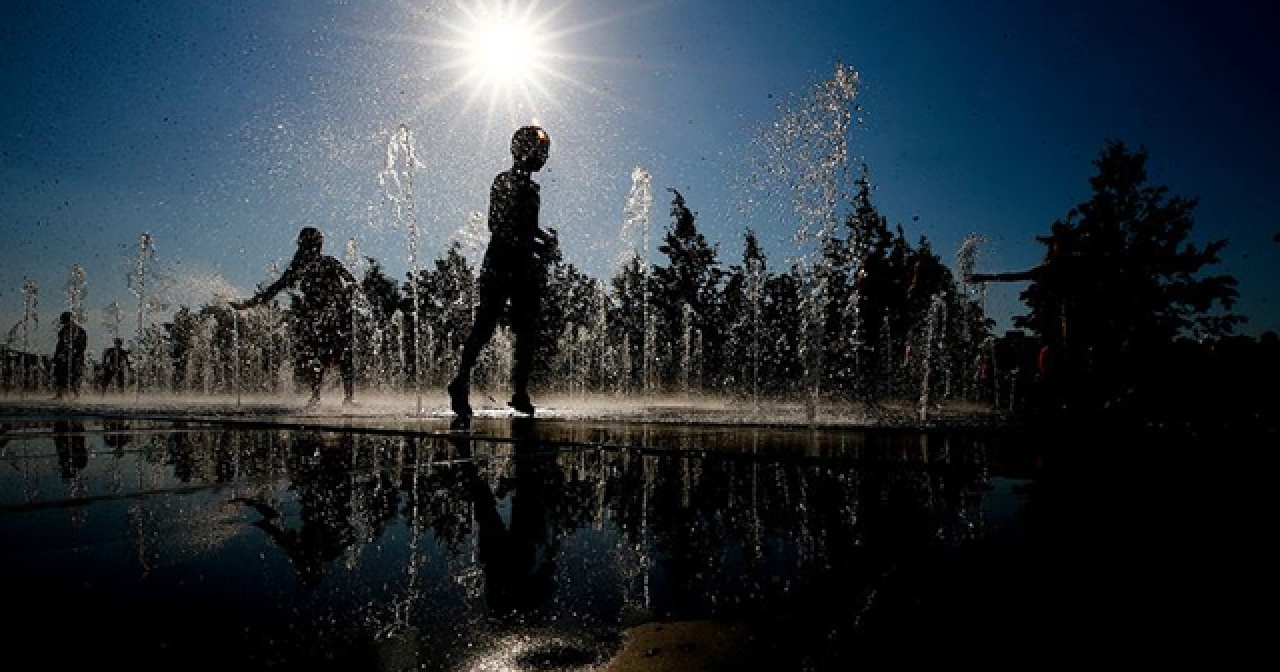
[502, 55]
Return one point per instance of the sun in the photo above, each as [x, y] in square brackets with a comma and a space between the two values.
[503, 53]
[519, 60]
[506, 52]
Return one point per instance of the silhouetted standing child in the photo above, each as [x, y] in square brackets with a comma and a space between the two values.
[512, 275]
[115, 365]
[325, 311]
[68, 356]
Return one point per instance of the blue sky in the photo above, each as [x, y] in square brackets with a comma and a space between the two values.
[222, 128]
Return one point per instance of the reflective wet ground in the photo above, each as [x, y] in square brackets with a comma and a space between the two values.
[253, 543]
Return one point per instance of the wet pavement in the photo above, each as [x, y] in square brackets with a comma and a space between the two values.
[273, 542]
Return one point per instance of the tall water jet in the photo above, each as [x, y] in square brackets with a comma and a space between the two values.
[30, 319]
[112, 318]
[138, 285]
[755, 297]
[355, 264]
[235, 350]
[975, 290]
[636, 219]
[803, 157]
[935, 319]
[76, 289]
[396, 180]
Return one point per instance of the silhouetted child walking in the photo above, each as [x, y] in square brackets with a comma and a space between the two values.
[513, 272]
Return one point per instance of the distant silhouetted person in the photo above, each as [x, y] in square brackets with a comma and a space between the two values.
[115, 364]
[325, 310]
[513, 271]
[68, 356]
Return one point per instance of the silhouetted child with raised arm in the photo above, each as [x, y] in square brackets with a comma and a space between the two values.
[68, 356]
[513, 272]
[325, 310]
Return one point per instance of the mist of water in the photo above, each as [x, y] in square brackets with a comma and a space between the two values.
[803, 157]
[396, 180]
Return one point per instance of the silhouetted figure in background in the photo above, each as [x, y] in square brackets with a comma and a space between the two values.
[115, 365]
[513, 272]
[325, 310]
[68, 356]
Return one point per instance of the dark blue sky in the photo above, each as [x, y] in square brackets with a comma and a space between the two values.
[222, 128]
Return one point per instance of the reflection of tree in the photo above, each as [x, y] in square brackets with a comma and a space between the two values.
[116, 434]
[702, 533]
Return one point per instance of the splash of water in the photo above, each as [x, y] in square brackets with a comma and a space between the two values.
[396, 180]
[967, 255]
[803, 158]
[755, 296]
[636, 220]
[138, 285]
[933, 323]
[966, 261]
[76, 292]
[474, 236]
[30, 321]
[112, 318]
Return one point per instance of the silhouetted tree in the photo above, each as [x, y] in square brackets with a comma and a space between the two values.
[688, 290]
[1120, 283]
[381, 290]
[626, 321]
[448, 296]
[568, 345]
[744, 296]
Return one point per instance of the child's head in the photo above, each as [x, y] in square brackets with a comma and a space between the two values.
[530, 147]
[310, 240]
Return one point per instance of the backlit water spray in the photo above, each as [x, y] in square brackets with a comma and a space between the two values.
[396, 180]
[30, 319]
[803, 157]
[76, 290]
[636, 220]
[138, 285]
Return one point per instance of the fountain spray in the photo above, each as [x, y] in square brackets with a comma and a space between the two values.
[636, 218]
[355, 264]
[396, 180]
[30, 300]
[804, 158]
[137, 284]
[76, 292]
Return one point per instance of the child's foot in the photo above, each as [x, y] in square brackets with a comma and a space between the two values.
[520, 401]
[458, 394]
